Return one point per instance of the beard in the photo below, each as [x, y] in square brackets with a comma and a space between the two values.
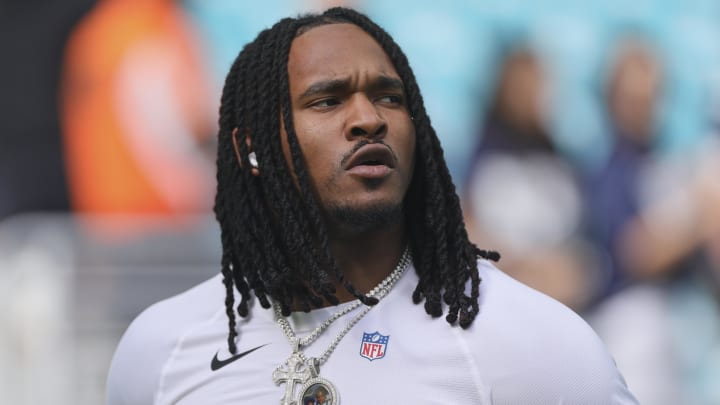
[353, 219]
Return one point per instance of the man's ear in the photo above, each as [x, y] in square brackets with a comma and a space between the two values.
[253, 165]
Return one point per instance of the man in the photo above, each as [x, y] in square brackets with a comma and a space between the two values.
[320, 397]
[337, 215]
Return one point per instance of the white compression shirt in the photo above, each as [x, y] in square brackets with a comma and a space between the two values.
[523, 348]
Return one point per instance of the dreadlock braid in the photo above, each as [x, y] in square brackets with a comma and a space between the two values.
[447, 259]
[274, 239]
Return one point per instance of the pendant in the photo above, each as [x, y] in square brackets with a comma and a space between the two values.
[315, 390]
[318, 391]
[295, 371]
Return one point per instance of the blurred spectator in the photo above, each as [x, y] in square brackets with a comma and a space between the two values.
[137, 114]
[522, 198]
[614, 191]
[614, 197]
[653, 215]
[671, 246]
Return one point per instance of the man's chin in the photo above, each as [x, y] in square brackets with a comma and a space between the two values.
[356, 219]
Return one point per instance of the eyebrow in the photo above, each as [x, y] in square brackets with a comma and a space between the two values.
[326, 86]
[338, 85]
[387, 83]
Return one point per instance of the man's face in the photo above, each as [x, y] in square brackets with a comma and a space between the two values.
[352, 123]
[320, 397]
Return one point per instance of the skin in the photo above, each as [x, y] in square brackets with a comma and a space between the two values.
[344, 90]
[634, 93]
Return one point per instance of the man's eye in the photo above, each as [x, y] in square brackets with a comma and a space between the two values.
[327, 102]
[390, 99]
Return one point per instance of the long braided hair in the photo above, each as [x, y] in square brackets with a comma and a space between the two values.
[274, 240]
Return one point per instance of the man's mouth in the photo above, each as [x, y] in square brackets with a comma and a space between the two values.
[373, 154]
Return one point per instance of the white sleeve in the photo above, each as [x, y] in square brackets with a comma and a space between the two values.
[542, 352]
[139, 359]
[577, 370]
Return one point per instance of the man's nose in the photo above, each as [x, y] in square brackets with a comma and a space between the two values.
[365, 119]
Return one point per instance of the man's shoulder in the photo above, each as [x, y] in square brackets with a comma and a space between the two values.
[537, 343]
[161, 320]
[151, 338]
[502, 294]
[515, 308]
[197, 302]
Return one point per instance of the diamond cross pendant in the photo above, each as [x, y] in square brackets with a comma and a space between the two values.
[295, 372]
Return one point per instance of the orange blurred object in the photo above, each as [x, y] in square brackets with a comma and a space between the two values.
[136, 112]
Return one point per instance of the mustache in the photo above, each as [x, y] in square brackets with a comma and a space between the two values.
[347, 156]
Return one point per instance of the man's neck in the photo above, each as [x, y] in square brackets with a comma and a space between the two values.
[368, 257]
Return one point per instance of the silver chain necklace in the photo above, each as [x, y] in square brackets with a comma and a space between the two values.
[300, 369]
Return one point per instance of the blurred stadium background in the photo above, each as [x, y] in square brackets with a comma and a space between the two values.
[583, 137]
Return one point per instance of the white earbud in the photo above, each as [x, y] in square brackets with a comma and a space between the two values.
[253, 160]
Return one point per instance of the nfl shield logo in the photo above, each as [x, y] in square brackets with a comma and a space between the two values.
[374, 345]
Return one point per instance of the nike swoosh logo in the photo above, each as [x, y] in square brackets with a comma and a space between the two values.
[217, 364]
